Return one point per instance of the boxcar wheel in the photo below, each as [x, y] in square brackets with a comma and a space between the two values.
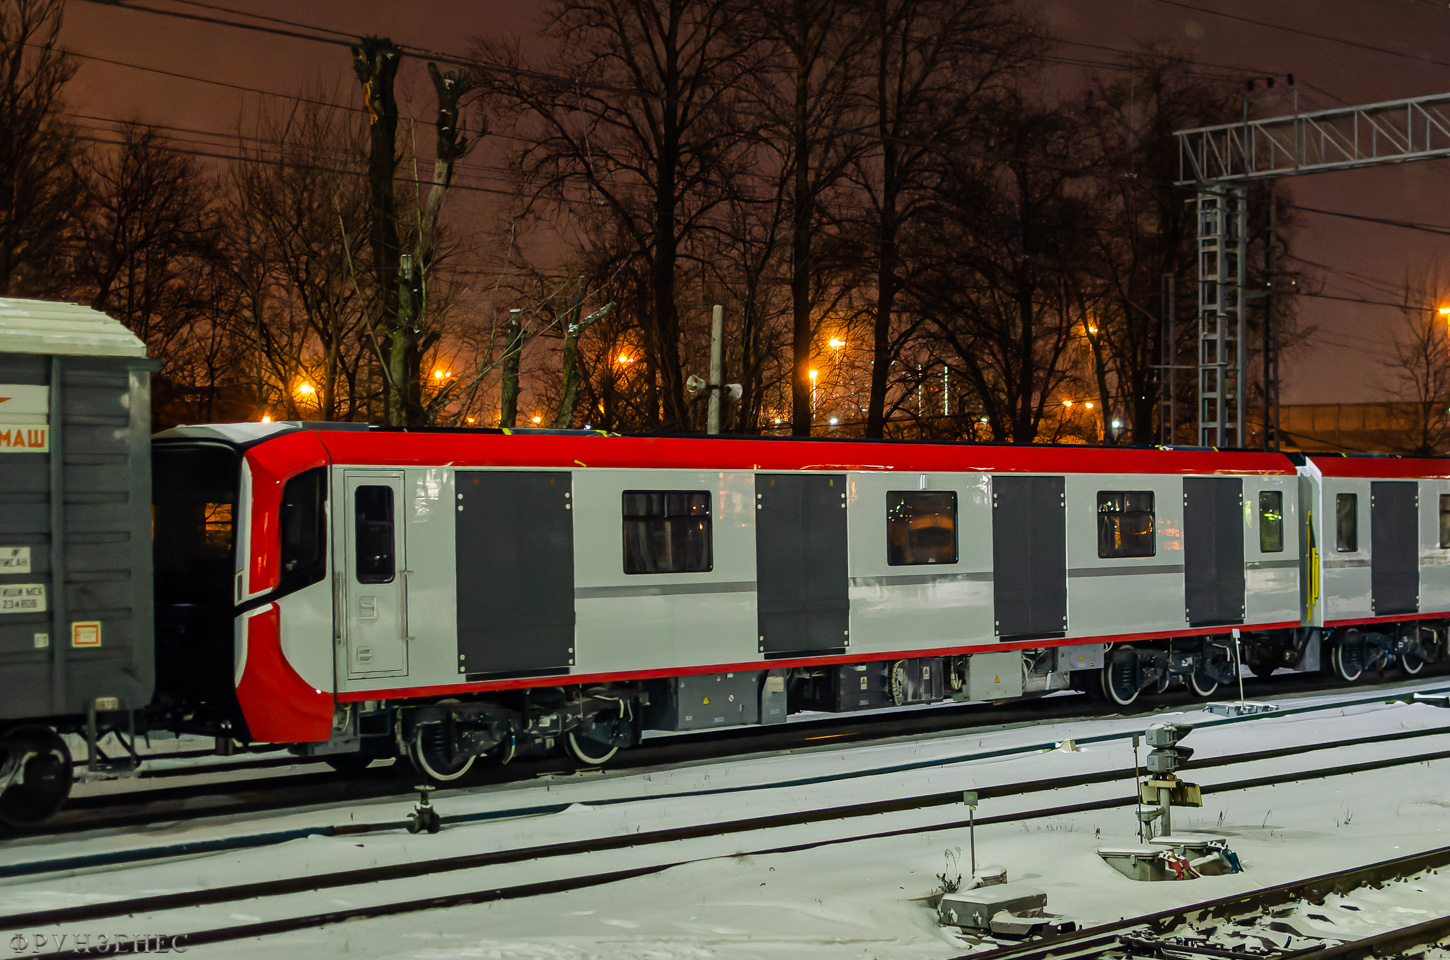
[1411, 662]
[42, 784]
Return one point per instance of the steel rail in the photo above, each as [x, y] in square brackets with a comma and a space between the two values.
[380, 783]
[114, 858]
[936, 718]
[290, 886]
[1238, 905]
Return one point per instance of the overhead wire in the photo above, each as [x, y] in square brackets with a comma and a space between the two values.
[1300, 31]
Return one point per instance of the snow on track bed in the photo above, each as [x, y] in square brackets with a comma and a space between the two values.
[829, 901]
[822, 768]
[178, 784]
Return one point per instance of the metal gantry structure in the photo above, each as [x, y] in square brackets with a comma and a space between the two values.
[1219, 161]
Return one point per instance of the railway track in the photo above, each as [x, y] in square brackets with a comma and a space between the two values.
[302, 784]
[1176, 933]
[110, 859]
[370, 891]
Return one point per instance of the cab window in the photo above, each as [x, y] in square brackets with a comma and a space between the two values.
[303, 526]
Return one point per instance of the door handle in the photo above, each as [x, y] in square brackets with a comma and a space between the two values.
[367, 608]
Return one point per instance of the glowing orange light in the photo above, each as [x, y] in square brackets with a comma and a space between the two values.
[1067, 403]
[538, 420]
[437, 374]
[837, 342]
[813, 375]
[470, 419]
[625, 358]
[305, 389]
[1089, 404]
[266, 418]
[1445, 311]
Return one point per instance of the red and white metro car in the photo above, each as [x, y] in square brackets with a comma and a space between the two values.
[360, 592]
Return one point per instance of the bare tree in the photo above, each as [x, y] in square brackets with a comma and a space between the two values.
[1003, 296]
[1421, 360]
[36, 145]
[145, 246]
[934, 62]
[1146, 227]
[811, 100]
[641, 126]
[299, 214]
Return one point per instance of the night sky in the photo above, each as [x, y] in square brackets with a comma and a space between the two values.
[1340, 364]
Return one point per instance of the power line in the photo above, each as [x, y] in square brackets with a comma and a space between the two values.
[1433, 228]
[1306, 33]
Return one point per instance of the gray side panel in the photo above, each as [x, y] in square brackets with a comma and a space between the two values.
[1213, 549]
[1394, 547]
[515, 554]
[802, 581]
[98, 473]
[1029, 556]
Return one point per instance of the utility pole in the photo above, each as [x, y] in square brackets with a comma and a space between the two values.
[717, 376]
[1167, 415]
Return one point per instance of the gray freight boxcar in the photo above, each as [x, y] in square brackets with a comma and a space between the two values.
[76, 638]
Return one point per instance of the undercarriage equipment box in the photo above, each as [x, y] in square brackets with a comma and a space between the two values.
[1086, 656]
[994, 676]
[710, 700]
[849, 686]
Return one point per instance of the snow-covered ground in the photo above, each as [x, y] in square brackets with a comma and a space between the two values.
[849, 900]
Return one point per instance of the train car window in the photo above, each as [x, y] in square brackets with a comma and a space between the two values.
[1346, 536]
[1271, 521]
[303, 525]
[921, 527]
[1444, 522]
[667, 531]
[1125, 524]
[373, 510]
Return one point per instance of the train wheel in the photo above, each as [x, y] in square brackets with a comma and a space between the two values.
[1120, 680]
[432, 755]
[1348, 660]
[1201, 684]
[590, 752]
[43, 779]
[1411, 662]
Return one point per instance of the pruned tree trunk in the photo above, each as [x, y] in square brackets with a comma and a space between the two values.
[375, 61]
[573, 327]
[513, 347]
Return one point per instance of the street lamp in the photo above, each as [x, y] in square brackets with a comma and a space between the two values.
[813, 393]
